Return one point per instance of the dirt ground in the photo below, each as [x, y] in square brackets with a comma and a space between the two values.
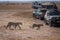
[23, 13]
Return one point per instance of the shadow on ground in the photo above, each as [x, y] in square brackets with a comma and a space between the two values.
[57, 26]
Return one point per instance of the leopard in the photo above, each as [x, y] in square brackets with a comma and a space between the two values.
[37, 25]
[14, 24]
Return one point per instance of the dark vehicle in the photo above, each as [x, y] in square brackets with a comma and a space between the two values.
[36, 5]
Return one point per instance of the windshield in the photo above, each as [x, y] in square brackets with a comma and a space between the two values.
[50, 7]
[54, 13]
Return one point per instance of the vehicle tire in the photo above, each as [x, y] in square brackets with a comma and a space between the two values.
[33, 15]
[41, 18]
[37, 16]
[46, 22]
[50, 23]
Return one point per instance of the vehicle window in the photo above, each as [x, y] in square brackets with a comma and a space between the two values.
[43, 6]
[50, 7]
[43, 10]
[39, 4]
[35, 3]
[54, 13]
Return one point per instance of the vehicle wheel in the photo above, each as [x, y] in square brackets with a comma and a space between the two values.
[50, 24]
[33, 15]
[46, 22]
[37, 16]
[41, 18]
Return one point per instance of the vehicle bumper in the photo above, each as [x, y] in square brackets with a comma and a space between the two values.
[57, 22]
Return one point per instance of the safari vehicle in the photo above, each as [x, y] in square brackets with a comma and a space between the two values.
[49, 5]
[36, 5]
[52, 17]
[39, 13]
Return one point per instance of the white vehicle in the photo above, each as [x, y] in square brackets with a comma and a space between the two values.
[52, 17]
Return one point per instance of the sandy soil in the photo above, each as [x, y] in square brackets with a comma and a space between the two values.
[23, 13]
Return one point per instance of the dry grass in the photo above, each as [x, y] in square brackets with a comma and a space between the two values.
[19, 6]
